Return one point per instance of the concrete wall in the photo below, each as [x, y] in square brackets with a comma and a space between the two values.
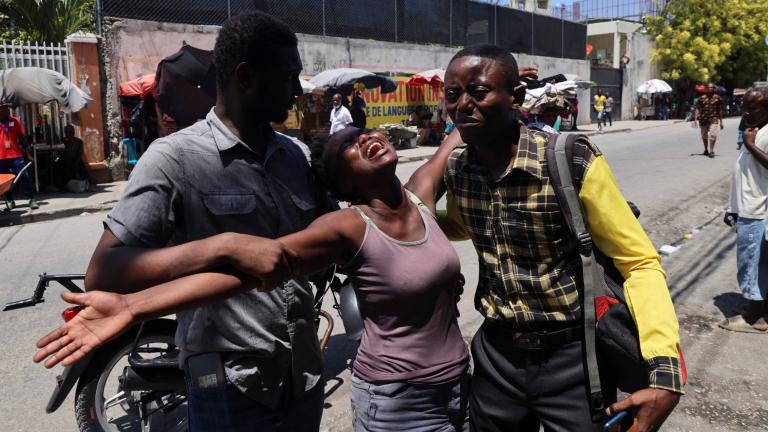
[638, 70]
[134, 48]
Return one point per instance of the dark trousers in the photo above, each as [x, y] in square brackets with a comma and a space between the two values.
[607, 116]
[225, 408]
[13, 166]
[518, 390]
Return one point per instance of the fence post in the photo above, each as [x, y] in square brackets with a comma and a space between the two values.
[450, 23]
[229, 9]
[533, 32]
[97, 6]
[562, 31]
[495, 25]
[323, 17]
[396, 20]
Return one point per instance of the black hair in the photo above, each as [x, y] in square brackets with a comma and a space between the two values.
[325, 168]
[249, 38]
[497, 54]
[762, 91]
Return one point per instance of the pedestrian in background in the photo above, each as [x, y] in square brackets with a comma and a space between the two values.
[340, 115]
[13, 155]
[709, 112]
[740, 135]
[599, 106]
[609, 110]
[747, 211]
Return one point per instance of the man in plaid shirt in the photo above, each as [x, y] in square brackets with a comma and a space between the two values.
[528, 354]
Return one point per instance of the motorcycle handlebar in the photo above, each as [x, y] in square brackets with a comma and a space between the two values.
[65, 280]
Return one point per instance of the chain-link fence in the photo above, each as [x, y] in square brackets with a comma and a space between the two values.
[442, 22]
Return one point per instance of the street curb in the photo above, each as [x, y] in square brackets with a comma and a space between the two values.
[608, 132]
[413, 158]
[37, 216]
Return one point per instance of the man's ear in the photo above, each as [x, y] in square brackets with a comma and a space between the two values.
[243, 76]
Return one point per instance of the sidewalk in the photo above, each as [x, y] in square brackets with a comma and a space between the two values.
[65, 204]
[625, 126]
[62, 204]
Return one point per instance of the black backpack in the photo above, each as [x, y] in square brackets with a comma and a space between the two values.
[611, 341]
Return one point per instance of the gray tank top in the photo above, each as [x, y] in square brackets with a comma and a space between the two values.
[405, 291]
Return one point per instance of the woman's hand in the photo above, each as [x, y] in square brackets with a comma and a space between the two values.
[104, 316]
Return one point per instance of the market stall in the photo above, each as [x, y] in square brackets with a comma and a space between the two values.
[45, 101]
[651, 100]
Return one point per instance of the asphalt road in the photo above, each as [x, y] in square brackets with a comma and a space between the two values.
[657, 169]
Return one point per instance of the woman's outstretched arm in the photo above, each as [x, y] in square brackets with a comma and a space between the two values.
[332, 238]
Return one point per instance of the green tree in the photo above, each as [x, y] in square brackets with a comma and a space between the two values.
[705, 40]
[45, 20]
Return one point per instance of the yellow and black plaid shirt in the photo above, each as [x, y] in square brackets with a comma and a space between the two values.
[529, 262]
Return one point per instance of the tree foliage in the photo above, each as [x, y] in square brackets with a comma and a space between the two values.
[45, 20]
[707, 40]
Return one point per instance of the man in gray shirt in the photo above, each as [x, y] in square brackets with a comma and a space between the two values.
[229, 172]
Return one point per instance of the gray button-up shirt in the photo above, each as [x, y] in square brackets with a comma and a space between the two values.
[202, 181]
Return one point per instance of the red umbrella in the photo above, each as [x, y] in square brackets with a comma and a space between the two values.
[433, 77]
[140, 87]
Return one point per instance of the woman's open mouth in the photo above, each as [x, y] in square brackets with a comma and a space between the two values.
[374, 150]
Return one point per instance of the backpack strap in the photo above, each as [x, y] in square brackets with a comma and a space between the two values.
[559, 164]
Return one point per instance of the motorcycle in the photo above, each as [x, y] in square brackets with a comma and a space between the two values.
[134, 382]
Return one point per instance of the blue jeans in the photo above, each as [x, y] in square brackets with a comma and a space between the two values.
[225, 408]
[13, 166]
[401, 406]
[752, 258]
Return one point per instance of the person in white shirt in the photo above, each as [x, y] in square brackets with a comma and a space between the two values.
[747, 210]
[340, 115]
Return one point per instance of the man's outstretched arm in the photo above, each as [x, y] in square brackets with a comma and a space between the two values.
[118, 268]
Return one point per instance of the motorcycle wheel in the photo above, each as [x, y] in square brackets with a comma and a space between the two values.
[100, 383]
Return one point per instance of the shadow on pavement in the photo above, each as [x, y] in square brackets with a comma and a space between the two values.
[338, 356]
[711, 260]
[730, 303]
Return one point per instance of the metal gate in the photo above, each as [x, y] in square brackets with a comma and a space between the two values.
[610, 82]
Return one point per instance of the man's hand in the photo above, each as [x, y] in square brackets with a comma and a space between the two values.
[266, 259]
[650, 407]
[528, 74]
[721, 124]
[750, 136]
[730, 219]
[104, 316]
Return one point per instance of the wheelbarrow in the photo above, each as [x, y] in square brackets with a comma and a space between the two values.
[8, 181]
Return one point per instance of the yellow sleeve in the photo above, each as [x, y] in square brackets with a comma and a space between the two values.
[619, 235]
[450, 220]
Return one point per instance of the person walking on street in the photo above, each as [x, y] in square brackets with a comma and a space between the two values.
[13, 155]
[340, 115]
[609, 110]
[748, 205]
[599, 106]
[709, 113]
[529, 368]
[230, 172]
